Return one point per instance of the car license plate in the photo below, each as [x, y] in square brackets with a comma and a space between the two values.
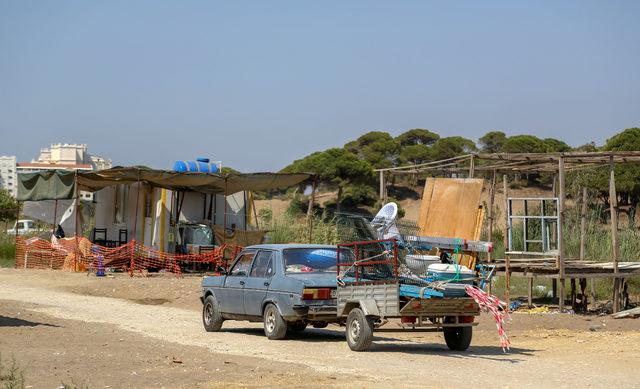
[333, 293]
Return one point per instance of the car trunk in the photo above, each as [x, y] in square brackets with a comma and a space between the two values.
[316, 280]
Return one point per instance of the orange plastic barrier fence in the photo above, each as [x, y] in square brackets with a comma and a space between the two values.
[79, 254]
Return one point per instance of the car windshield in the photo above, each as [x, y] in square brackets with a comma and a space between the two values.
[312, 260]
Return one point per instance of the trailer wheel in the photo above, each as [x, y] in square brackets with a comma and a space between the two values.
[359, 330]
[458, 338]
[211, 317]
[275, 327]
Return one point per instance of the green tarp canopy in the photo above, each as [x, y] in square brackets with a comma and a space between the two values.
[46, 185]
[61, 184]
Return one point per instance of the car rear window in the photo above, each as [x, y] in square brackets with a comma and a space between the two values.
[312, 260]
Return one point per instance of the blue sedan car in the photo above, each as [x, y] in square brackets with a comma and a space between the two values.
[286, 286]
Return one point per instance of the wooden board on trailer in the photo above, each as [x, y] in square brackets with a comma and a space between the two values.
[451, 208]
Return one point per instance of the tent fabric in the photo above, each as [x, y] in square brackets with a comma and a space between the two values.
[238, 237]
[46, 185]
[37, 185]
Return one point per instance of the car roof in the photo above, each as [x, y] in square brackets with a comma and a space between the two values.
[282, 246]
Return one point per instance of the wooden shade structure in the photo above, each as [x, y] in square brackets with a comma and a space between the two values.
[559, 164]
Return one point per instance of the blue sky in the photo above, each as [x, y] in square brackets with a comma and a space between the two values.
[258, 84]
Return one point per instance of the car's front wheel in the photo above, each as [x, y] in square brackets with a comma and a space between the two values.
[275, 327]
[211, 316]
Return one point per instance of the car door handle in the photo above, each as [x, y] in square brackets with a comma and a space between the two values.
[266, 284]
[241, 282]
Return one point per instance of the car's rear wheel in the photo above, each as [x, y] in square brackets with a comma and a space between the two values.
[359, 330]
[275, 327]
[211, 316]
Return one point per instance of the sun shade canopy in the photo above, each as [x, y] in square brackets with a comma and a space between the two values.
[53, 185]
[46, 185]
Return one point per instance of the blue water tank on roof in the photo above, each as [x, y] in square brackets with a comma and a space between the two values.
[200, 165]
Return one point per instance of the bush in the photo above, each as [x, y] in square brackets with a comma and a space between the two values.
[290, 228]
[265, 215]
[11, 377]
[7, 250]
[357, 195]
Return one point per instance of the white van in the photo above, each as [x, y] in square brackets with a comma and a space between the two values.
[23, 227]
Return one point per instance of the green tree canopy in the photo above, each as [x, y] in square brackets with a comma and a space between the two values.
[627, 140]
[627, 175]
[452, 146]
[555, 145]
[7, 202]
[229, 170]
[417, 136]
[336, 166]
[492, 141]
[416, 154]
[589, 147]
[524, 144]
[376, 147]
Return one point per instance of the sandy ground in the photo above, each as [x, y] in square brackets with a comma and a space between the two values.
[147, 332]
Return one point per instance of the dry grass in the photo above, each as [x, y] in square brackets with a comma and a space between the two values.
[12, 376]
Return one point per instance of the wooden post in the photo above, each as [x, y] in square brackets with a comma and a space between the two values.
[255, 211]
[554, 281]
[583, 223]
[55, 216]
[472, 167]
[15, 236]
[505, 191]
[135, 228]
[310, 209]
[530, 291]
[312, 199]
[383, 188]
[525, 227]
[224, 214]
[135, 218]
[583, 232]
[507, 270]
[492, 195]
[77, 202]
[615, 250]
[561, 198]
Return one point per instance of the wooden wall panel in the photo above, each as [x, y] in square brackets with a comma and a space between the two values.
[451, 208]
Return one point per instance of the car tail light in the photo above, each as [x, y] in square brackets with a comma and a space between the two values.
[316, 293]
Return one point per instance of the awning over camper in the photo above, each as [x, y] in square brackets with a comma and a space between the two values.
[53, 185]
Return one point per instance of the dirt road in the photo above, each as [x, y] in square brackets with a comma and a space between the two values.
[541, 357]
